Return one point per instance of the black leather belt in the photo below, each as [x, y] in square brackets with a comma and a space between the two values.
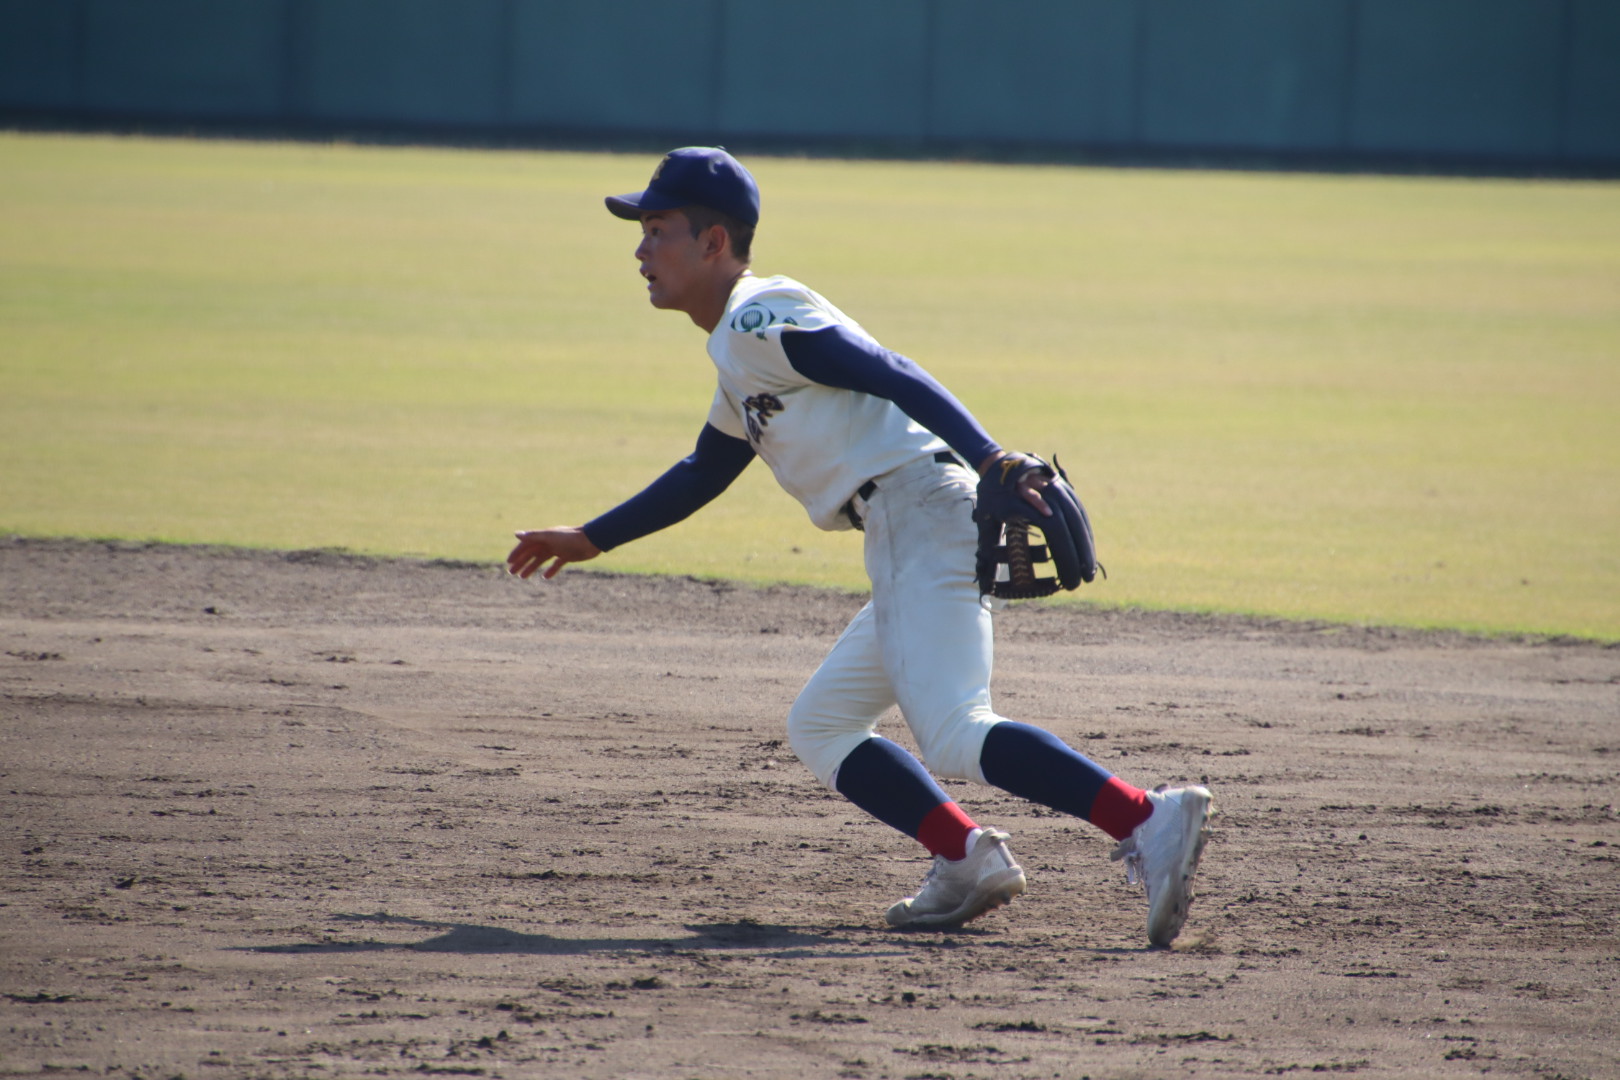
[864, 492]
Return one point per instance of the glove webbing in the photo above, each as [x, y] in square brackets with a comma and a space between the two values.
[1021, 556]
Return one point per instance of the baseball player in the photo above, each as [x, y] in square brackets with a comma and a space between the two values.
[866, 439]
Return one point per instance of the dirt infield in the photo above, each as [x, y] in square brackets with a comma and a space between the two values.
[306, 814]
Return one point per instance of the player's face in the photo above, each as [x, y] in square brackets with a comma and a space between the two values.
[671, 260]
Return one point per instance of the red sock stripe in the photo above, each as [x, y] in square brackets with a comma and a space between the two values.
[1120, 808]
[945, 831]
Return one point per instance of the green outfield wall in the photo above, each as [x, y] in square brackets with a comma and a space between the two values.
[1531, 81]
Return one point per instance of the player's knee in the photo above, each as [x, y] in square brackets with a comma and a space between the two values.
[953, 749]
[822, 742]
[802, 735]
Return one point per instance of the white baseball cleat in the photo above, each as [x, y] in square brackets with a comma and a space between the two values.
[1163, 855]
[955, 892]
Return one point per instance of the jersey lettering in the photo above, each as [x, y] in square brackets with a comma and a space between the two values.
[758, 410]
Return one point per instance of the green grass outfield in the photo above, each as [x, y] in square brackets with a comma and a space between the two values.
[1386, 400]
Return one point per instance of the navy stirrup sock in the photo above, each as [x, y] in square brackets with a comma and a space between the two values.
[1036, 765]
[888, 783]
[891, 785]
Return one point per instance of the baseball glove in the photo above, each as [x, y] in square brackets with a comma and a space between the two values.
[1006, 559]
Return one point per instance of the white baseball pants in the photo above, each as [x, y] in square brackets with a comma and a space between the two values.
[923, 642]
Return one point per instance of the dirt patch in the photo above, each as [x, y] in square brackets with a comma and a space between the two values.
[307, 814]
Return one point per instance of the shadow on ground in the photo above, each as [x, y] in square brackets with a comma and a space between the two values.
[781, 942]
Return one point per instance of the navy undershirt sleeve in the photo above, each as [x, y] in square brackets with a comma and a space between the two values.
[689, 485]
[838, 357]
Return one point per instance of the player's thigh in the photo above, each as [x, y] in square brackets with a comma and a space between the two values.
[939, 659]
[934, 635]
[839, 707]
[932, 629]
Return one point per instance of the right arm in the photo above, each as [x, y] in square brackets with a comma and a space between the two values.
[690, 484]
[835, 356]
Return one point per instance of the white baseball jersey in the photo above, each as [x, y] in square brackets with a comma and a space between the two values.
[820, 442]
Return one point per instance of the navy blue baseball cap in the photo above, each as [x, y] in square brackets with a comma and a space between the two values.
[694, 176]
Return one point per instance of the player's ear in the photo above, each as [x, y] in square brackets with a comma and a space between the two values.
[716, 240]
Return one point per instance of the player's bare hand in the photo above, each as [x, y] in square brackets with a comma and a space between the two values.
[1029, 485]
[558, 546]
[1030, 488]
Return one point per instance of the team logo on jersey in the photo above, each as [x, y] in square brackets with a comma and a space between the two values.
[753, 319]
[758, 410]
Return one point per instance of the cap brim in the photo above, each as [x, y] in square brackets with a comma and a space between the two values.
[632, 206]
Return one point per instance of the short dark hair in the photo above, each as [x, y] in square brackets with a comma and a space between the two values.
[701, 218]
